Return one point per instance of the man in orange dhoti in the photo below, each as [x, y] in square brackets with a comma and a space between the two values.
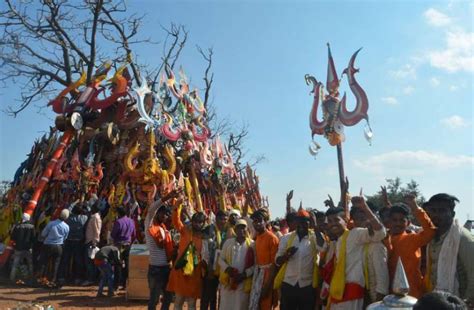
[185, 278]
[262, 295]
[407, 246]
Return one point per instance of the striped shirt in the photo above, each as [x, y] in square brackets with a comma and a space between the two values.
[157, 255]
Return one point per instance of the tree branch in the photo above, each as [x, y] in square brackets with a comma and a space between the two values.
[208, 80]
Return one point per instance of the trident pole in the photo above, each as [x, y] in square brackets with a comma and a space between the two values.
[342, 177]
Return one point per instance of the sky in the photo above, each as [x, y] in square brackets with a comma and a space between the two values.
[416, 66]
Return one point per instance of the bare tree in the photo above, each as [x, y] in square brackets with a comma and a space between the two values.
[45, 45]
[224, 126]
[236, 145]
[171, 52]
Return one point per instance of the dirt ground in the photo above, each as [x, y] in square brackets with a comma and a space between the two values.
[68, 297]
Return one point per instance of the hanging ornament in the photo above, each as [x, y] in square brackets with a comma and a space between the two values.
[314, 148]
[368, 133]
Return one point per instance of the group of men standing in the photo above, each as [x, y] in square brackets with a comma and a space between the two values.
[65, 242]
[331, 260]
[232, 260]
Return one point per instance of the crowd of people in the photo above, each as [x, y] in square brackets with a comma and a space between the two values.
[342, 258]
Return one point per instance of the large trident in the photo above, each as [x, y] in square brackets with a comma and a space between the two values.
[335, 113]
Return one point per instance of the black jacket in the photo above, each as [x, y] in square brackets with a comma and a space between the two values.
[24, 236]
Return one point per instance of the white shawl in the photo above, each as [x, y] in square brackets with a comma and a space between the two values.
[446, 279]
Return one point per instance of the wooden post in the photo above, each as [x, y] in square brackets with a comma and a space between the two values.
[340, 162]
[342, 178]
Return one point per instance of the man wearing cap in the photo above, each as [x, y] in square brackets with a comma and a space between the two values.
[266, 246]
[54, 235]
[450, 254]
[236, 262]
[297, 258]
[234, 215]
[23, 235]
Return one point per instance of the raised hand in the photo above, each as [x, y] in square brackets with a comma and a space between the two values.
[358, 201]
[385, 200]
[410, 200]
[329, 202]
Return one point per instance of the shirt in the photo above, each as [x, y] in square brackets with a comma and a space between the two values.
[76, 223]
[407, 247]
[237, 252]
[354, 252]
[55, 232]
[157, 255]
[93, 228]
[109, 253]
[123, 230]
[266, 247]
[24, 236]
[299, 268]
[378, 270]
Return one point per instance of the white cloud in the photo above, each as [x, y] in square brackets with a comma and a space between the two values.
[434, 82]
[453, 88]
[390, 100]
[436, 18]
[412, 162]
[407, 71]
[454, 122]
[408, 90]
[457, 55]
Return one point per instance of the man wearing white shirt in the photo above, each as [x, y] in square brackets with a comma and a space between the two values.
[347, 285]
[236, 263]
[298, 250]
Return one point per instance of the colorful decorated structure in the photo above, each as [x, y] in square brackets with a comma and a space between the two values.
[122, 145]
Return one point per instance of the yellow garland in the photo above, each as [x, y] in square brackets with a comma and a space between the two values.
[281, 273]
[338, 281]
[224, 278]
[189, 190]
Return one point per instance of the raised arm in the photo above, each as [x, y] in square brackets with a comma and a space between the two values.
[176, 218]
[363, 235]
[386, 202]
[289, 196]
[151, 213]
[423, 237]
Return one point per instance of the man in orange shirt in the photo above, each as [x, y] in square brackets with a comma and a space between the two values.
[407, 246]
[187, 287]
[266, 247]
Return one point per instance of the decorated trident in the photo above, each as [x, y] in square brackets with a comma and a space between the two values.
[335, 112]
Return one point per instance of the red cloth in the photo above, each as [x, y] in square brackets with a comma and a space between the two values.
[327, 270]
[98, 262]
[352, 291]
